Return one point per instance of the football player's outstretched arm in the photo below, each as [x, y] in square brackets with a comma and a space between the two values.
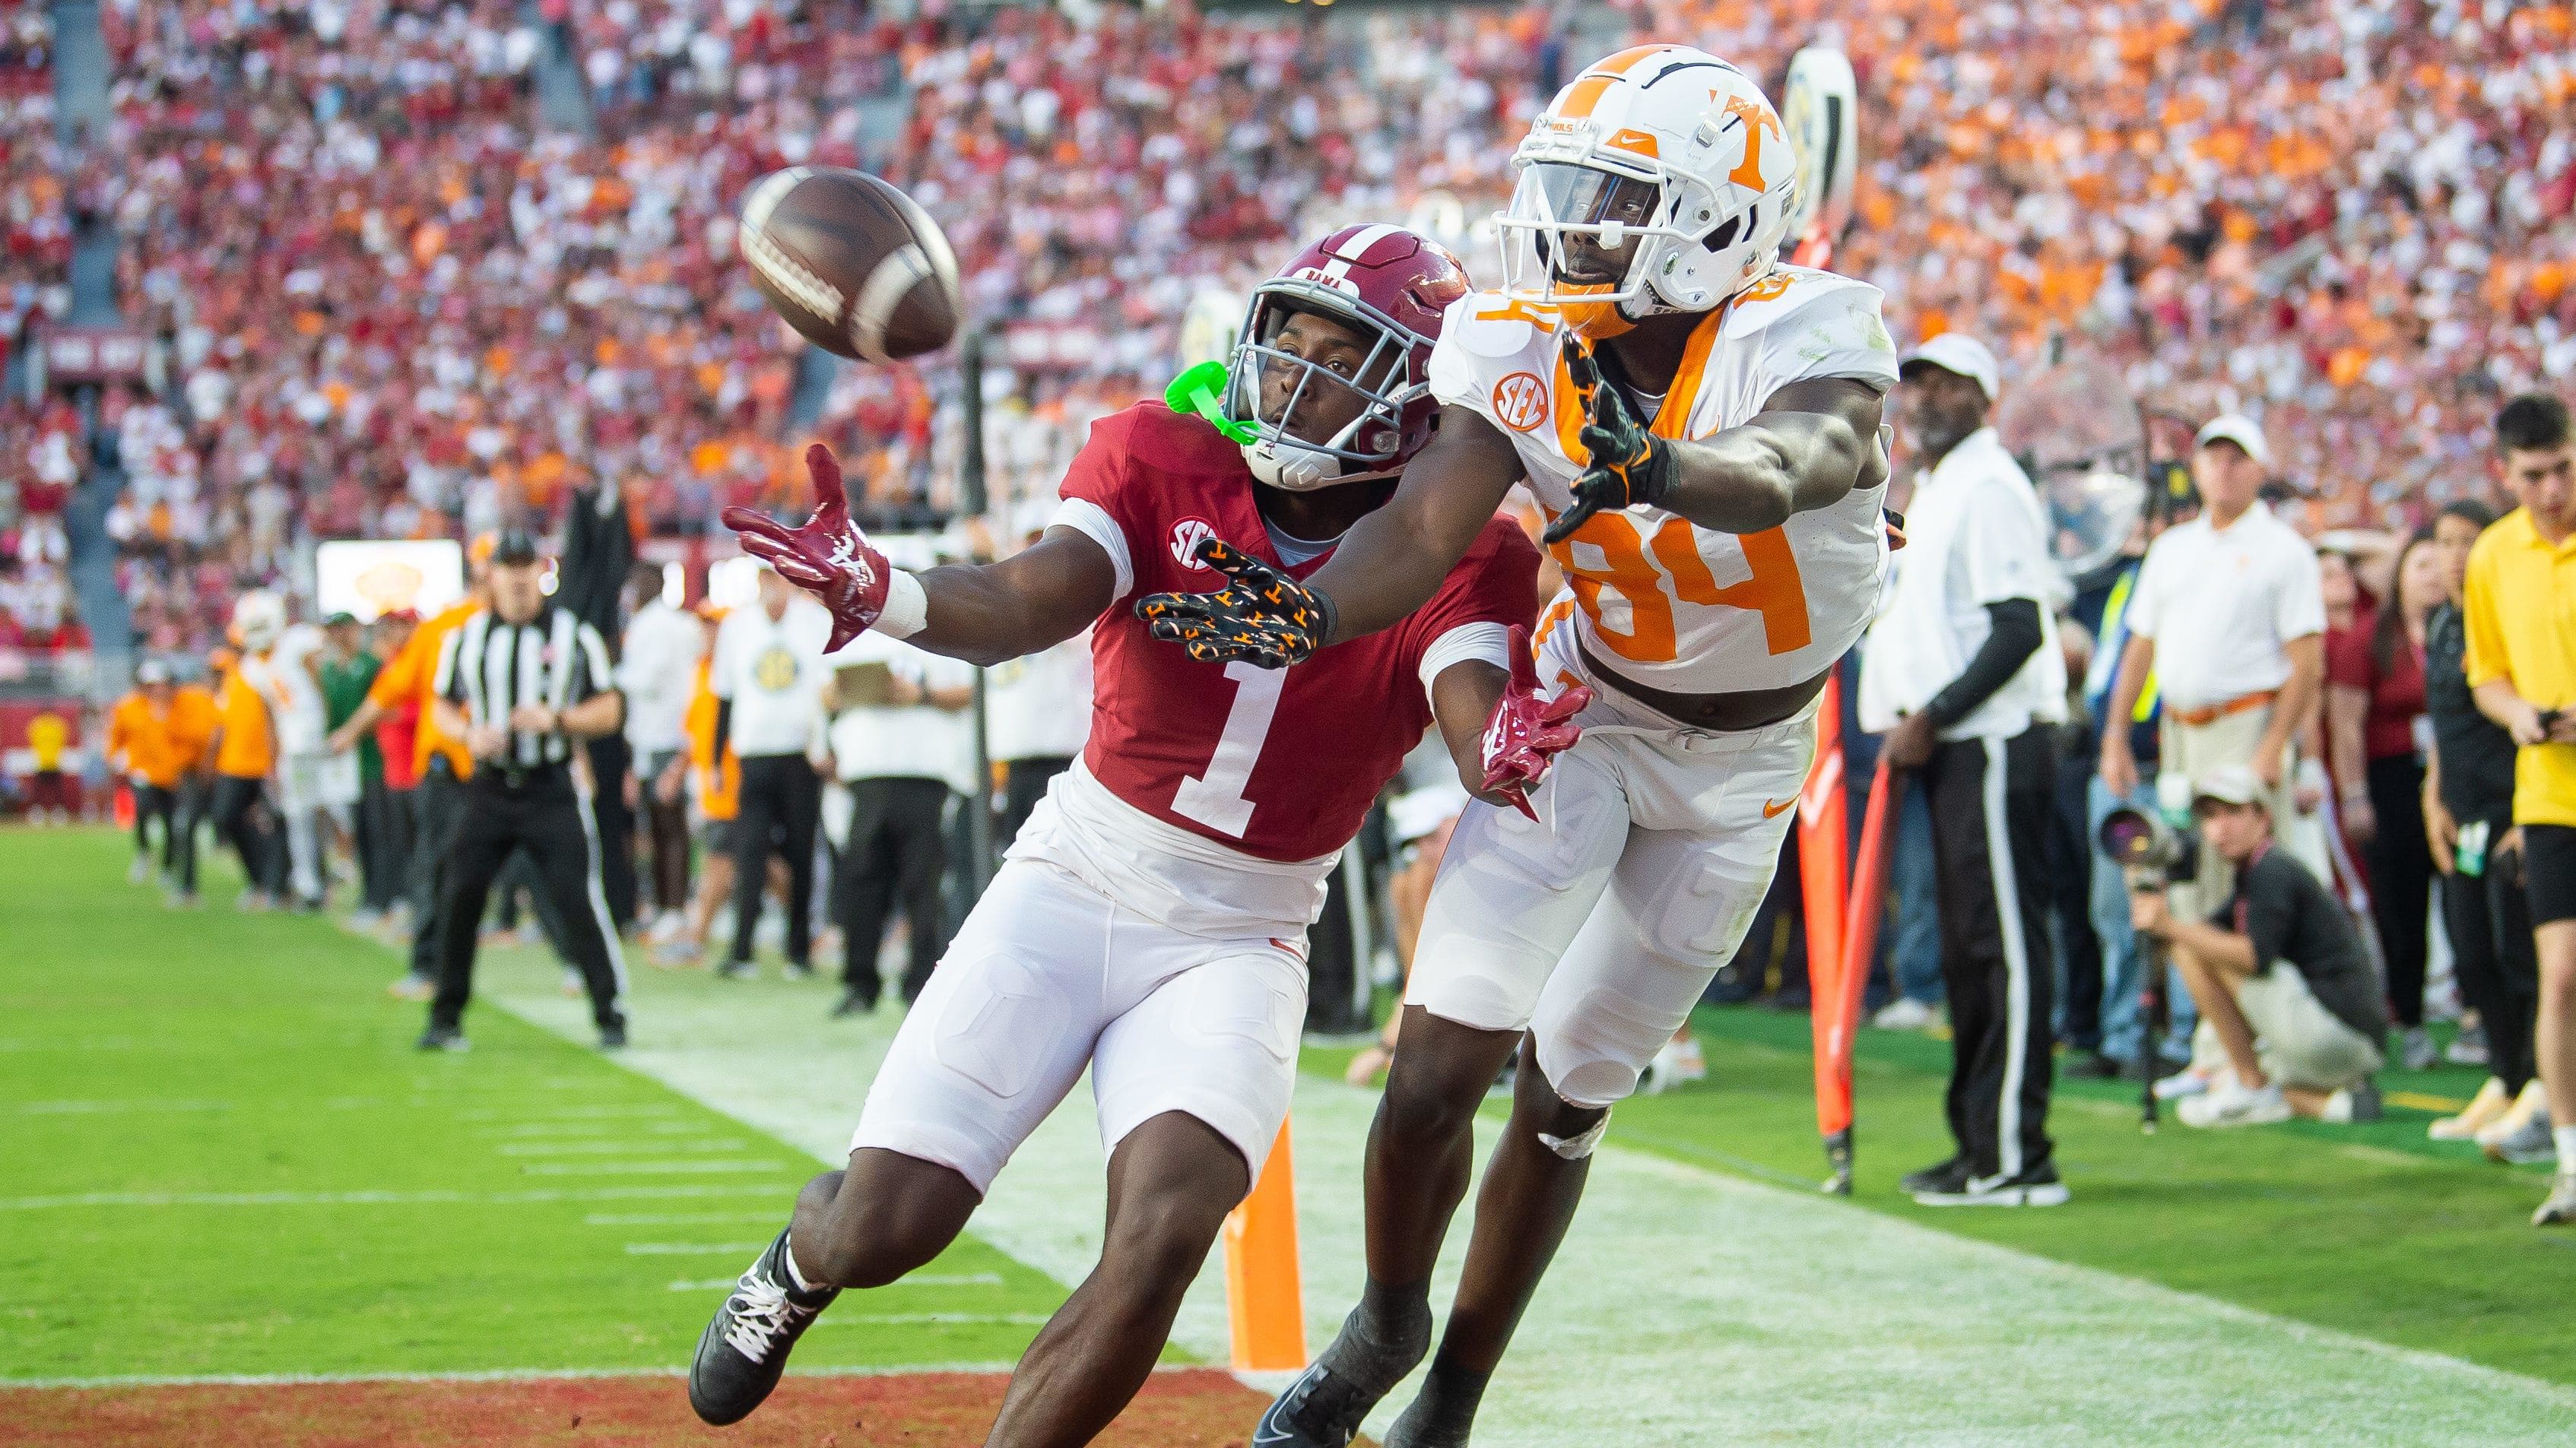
[1501, 732]
[1392, 561]
[1035, 599]
[1810, 446]
[983, 613]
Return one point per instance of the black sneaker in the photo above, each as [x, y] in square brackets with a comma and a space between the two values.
[612, 1038]
[2036, 1186]
[443, 1038]
[854, 1004]
[2095, 1066]
[799, 970]
[1948, 1176]
[1324, 1406]
[737, 970]
[745, 1347]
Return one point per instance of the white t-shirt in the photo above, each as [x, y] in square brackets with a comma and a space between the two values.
[2220, 605]
[1976, 535]
[284, 677]
[657, 673]
[917, 741]
[1039, 707]
[772, 671]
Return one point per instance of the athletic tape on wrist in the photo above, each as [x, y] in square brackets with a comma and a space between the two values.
[907, 607]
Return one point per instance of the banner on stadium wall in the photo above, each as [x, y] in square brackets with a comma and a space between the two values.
[95, 354]
[372, 577]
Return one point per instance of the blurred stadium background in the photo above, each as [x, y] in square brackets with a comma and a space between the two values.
[285, 273]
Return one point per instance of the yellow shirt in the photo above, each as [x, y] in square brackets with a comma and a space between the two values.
[248, 750]
[2521, 618]
[410, 676]
[47, 734]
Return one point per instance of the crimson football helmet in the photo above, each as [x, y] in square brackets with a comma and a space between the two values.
[1391, 284]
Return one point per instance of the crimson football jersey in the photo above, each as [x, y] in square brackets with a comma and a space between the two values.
[1281, 764]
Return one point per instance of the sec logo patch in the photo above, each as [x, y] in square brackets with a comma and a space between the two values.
[1520, 401]
[1186, 535]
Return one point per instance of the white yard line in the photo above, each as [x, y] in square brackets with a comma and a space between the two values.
[432, 1197]
[1687, 1307]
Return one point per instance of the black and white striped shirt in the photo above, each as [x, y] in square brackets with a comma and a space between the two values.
[488, 668]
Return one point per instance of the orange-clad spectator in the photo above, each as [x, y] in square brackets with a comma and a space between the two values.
[245, 753]
[157, 738]
[717, 789]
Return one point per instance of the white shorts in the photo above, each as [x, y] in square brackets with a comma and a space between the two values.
[1598, 926]
[1049, 974]
[2296, 1039]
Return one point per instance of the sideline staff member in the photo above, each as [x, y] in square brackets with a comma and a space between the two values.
[518, 682]
[1964, 676]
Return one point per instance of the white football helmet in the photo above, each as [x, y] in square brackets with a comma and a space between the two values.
[1659, 181]
[259, 617]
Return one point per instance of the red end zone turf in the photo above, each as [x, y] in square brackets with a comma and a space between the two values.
[1188, 1408]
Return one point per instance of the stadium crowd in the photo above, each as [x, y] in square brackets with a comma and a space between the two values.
[391, 301]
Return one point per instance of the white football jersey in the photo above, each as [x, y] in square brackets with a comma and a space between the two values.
[1669, 604]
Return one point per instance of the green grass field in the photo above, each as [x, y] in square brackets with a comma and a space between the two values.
[226, 1161]
[2370, 1229]
[224, 1157]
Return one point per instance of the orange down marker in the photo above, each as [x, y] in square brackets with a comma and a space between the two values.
[1263, 1300]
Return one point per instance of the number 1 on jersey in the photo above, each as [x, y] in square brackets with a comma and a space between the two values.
[1215, 796]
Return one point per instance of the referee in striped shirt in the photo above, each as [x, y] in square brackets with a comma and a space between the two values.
[519, 681]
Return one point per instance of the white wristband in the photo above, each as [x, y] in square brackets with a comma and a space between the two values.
[907, 607]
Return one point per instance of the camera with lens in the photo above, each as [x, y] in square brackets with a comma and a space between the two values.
[2152, 853]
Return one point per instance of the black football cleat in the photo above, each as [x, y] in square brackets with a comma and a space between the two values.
[1325, 1406]
[442, 1038]
[745, 1347]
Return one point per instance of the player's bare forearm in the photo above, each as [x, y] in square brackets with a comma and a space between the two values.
[1811, 445]
[1036, 598]
[1463, 696]
[1392, 561]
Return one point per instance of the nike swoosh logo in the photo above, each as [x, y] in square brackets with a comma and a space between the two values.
[1772, 811]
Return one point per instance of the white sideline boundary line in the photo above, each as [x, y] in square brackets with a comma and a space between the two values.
[1685, 1299]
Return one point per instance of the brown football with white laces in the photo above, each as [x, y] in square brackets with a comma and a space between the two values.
[853, 264]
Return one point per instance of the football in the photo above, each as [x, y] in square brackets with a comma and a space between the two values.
[853, 264]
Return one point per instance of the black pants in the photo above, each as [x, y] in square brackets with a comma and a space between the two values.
[178, 831]
[245, 820]
[2488, 920]
[611, 760]
[438, 807]
[393, 822]
[2401, 881]
[1024, 783]
[1991, 805]
[520, 878]
[782, 803]
[895, 857]
[379, 852]
[547, 818]
[666, 836]
[2069, 867]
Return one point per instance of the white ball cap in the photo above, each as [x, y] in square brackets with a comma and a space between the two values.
[2239, 429]
[1958, 352]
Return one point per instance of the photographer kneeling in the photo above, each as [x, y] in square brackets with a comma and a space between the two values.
[2302, 1040]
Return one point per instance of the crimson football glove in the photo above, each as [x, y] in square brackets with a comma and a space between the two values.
[828, 557]
[1526, 732]
[1262, 616]
[1631, 467]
